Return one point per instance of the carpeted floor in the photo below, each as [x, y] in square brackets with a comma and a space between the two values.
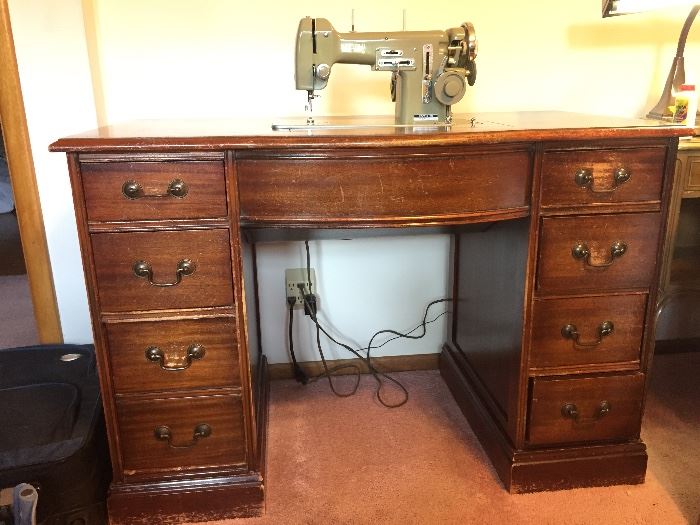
[17, 323]
[351, 461]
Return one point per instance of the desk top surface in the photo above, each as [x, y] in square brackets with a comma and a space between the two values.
[353, 132]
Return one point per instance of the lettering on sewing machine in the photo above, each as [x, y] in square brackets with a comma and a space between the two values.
[430, 69]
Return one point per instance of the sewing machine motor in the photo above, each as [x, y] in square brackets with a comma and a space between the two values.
[431, 69]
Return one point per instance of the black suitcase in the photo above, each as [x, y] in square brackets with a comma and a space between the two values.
[52, 431]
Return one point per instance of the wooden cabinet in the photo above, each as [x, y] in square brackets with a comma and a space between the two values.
[556, 222]
[571, 373]
[160, 251]
[679, 306]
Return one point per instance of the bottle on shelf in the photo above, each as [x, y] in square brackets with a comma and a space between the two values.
[686, 105]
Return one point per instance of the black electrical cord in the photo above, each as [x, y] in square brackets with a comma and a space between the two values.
[407, 335]
[438, 316]
[376, 373]
[299, 373]
[311, 308]
[328, 372]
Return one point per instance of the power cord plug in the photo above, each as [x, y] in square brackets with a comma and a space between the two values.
[299, 373]
[310, 304]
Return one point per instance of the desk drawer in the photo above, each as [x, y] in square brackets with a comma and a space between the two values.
[571, 178]
[151, 356]
[221, 442]
[387, 187]
[587, 330]
[172, 282]
[585, 409]
[155, 192]
[603, 252]
[692, 183]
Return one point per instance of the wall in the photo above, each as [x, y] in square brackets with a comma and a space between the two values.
[216, 58]
[54, 71]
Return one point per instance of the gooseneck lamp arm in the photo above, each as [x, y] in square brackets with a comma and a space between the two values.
[676, 76]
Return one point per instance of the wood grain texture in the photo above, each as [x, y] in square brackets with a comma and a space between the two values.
[546, 468]
[645, 166]
[132, 372]
[600, 466]
[143, 455]
[491, 268]
[364, 132]
[551, 350]
[559, 271]
[548, 426]
[388, 363]
[679, 302]
[121, 290]
[315, 188]
[105, 201]
[691, 182]
[185, 501]
[512, 261]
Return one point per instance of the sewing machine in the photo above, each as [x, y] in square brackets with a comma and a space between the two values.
[430, 69]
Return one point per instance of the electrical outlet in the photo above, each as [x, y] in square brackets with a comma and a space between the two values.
[293, 278]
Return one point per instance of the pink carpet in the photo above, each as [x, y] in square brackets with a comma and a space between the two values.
[17, 324]
[352, 461]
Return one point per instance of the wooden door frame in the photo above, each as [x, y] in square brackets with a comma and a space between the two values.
[24, 187]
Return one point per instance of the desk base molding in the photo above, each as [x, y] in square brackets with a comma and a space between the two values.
[186, 501]
[389, 364]
[524, 471]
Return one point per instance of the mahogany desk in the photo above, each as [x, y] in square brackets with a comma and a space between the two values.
[556, 219]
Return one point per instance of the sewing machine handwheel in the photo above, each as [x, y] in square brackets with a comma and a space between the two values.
[449, 88]
[471, 72]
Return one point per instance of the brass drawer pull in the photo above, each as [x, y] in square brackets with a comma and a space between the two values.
[194, 352]
[570, 411]
[184, 267]
[584, 179]
[133, 190]
[581, 251]
[569, 331]
[163, 433]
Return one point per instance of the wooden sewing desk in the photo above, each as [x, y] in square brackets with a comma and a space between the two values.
[557, 222]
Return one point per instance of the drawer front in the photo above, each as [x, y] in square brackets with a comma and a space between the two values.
[587, 330]
[118, 191]
[573, 178]
[603, 252]
[390, 187]
[151, 356]
[693, 181]
[171, 282]
[585, 409]
[221, 443]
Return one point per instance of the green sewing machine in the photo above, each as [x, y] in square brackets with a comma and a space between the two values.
[430, 69]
